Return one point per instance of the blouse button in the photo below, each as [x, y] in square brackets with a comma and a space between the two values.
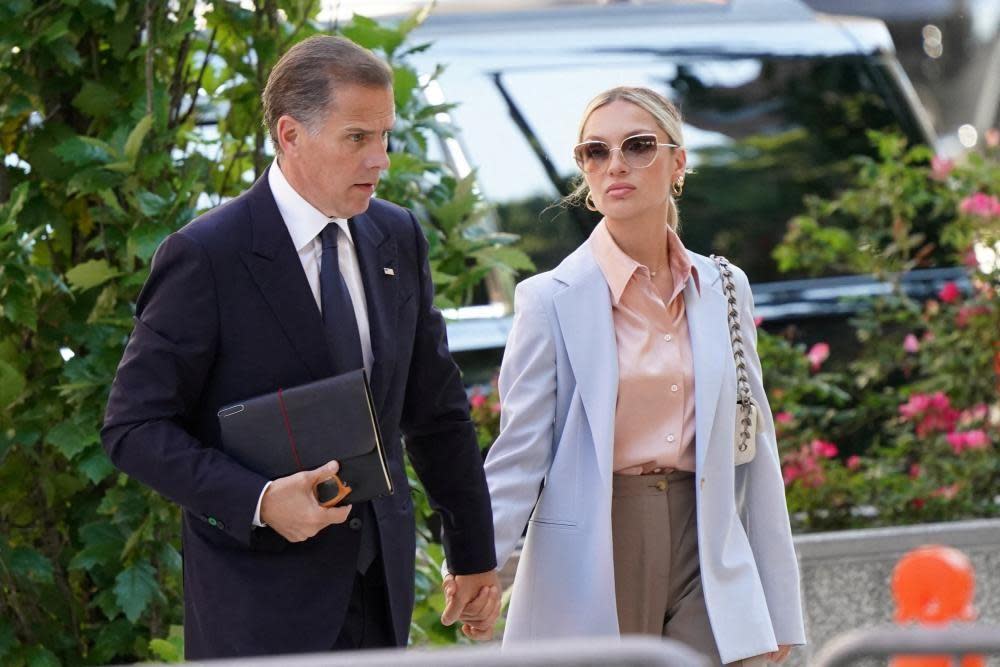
[670, 438]
[668, 337]
[674, 387]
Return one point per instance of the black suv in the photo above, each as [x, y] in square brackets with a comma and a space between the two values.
[775, 98]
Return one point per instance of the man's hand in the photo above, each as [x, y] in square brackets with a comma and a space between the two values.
[473, 599]
[289, 505]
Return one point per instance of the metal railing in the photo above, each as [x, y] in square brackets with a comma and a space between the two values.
[627, 652]
[955, 641]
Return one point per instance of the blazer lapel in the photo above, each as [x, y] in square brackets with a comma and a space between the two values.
[585, 320]
[276, 269]
[376, 252]
[707, 327]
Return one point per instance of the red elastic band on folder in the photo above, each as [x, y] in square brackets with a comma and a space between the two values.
[288, 429]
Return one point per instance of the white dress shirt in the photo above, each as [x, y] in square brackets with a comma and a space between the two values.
[304, 223]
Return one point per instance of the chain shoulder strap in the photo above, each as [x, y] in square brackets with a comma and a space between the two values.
[743, 397]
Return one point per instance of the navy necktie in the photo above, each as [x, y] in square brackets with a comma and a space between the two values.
[344, 340]
[339, 321]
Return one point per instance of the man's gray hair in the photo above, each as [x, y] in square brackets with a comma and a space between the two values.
[304, 82]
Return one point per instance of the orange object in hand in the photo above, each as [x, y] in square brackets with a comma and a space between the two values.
[934, 585]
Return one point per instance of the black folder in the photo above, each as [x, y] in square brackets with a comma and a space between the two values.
[305, 427]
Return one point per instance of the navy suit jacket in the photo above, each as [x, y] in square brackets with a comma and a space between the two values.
[227, 314]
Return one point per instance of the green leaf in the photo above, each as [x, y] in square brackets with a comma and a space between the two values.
[170, 649]
[368, 33]
[70, 438]
[40, 656]
[151, 204]
[19, 308]
[8, 641]
[90, 274]
[145, 239]
[135, 588]
[96, 466]
[136, 137]
[166, 651]
[404, 83]
[96, 99]
[12, 208]
[81, 151]
[66, 55]
[12, 384]
[30, 564]
[114, 639]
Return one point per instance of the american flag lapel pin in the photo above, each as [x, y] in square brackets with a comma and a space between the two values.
[389, 271]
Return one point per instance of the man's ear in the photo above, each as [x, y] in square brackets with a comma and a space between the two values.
[290, 133]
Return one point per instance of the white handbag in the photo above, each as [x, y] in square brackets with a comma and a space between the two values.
[747, 410]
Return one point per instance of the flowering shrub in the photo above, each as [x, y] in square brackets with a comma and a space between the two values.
[912, 432]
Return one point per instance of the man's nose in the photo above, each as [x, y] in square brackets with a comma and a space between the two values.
[379, 159]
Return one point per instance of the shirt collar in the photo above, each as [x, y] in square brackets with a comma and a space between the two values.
[618, 268]
[304, 221]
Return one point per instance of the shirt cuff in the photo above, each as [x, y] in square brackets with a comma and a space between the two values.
[256, 515]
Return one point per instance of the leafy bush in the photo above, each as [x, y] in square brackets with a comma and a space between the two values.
[120, 121]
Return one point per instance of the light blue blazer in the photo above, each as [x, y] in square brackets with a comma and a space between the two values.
[551, 467]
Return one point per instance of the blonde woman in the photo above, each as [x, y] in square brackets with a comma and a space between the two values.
[618, 394]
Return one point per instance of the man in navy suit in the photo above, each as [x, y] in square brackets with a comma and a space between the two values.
[303, 276]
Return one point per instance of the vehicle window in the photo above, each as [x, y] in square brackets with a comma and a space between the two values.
[762, 131]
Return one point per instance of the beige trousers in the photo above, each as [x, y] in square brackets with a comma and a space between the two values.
[657, 577]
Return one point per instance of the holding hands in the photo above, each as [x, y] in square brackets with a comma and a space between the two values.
[473, 599]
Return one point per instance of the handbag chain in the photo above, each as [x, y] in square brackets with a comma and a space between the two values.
[743, 398]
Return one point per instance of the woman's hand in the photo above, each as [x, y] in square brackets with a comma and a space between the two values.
[780, 654]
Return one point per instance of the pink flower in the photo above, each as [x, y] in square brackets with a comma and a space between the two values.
[495, 408]
[980, 205]
[992, 137]
[790, 473]
[802, 465]
[783, 417]
[757, 321]
[477, 400]
[969, 258]
[976, 439]
[965, 313]
[932, 412]
[941, 167]
[949, 292]
[976, 413]
[960, 441]
[817, 354]
[946, 492]
[915, 470]
[853, 462]
[918, 503]
[911, 344]
[823, 449]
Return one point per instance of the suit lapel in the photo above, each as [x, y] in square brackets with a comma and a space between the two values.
[377, 252]
[584, 312]
[707, 328]
[276, 269]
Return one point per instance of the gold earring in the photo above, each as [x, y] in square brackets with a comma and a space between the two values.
[589, 201]
[678, 187]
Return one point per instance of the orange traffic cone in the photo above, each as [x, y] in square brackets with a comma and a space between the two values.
[934, 586]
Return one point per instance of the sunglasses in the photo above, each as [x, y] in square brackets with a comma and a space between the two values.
[638, 151]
